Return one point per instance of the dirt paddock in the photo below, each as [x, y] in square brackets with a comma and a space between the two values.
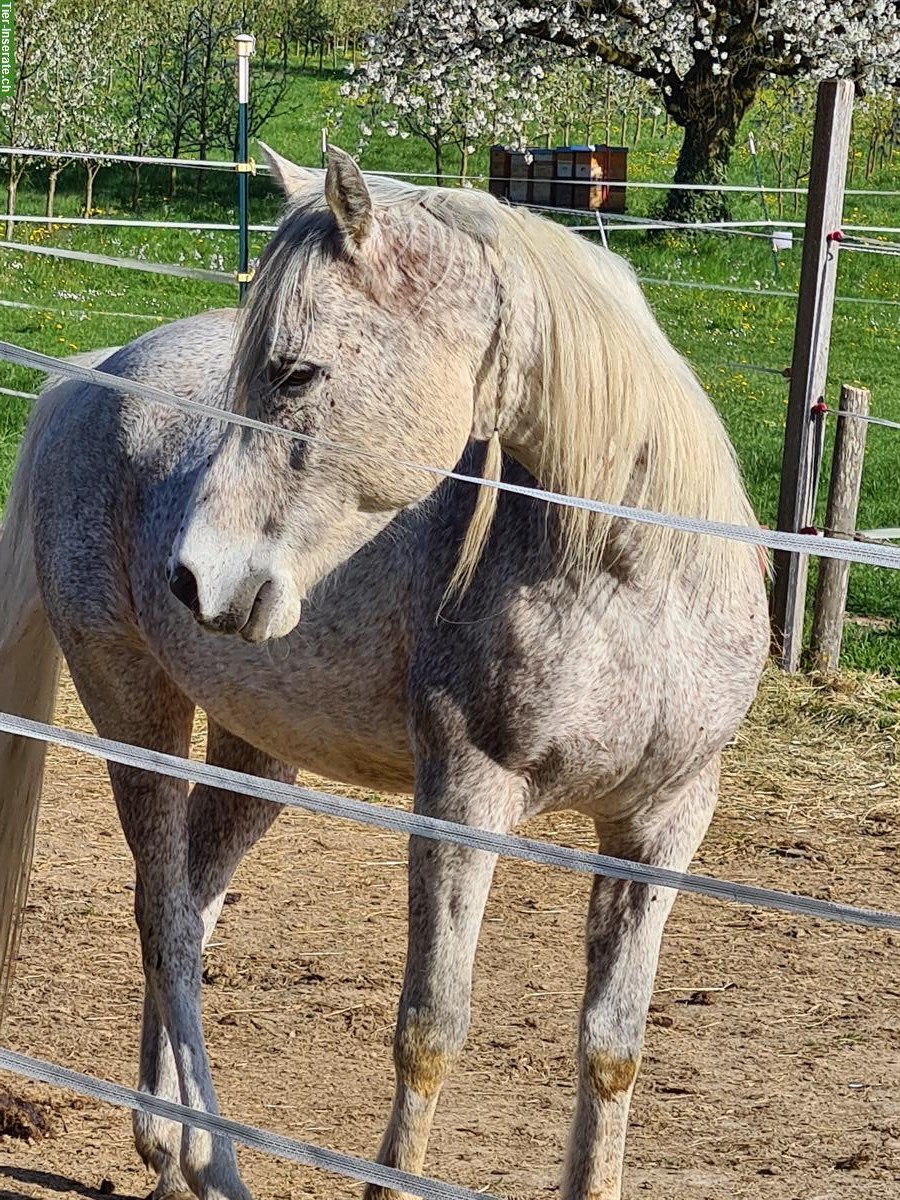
[772, 1065]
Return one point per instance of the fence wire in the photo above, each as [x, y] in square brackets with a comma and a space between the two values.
[209, 276]
[85, 312]
[131, 223]
[128, 264]
[56, 155]
[348, 1165]
[867, 417]
[750, 535]
[413, 824]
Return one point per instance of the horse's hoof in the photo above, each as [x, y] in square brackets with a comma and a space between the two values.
[172, 1196]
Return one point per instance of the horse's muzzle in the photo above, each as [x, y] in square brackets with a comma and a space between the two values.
[257, 616]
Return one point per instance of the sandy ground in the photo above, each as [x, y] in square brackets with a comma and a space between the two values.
[772, 1067]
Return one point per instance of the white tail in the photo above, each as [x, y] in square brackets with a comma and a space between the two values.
[29, 672]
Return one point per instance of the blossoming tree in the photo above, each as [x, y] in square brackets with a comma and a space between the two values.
[707, 59]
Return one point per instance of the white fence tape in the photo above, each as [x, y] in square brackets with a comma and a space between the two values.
[132, 223]
[870, 555]
[207, 164]
[88, 312]
[347, 1165]
[138, 264]
[129, 264]
[397, 820]
[867, 417]
[4, 391]
[215, 164]
[765, 293]
[884, 535]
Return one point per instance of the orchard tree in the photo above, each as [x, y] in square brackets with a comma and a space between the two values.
[781, 124]
[707, 59]
[28, 117]
[138, 98]
[457, 100]
[178, 83]
[61, 97]
[93, 125]
[585, 100]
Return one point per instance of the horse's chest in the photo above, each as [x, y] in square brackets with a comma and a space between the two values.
[595, 706]
[342, 717]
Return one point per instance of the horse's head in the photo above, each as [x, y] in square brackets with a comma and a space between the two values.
[369, 330]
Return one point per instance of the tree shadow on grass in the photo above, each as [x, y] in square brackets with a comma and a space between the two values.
[54, 1183]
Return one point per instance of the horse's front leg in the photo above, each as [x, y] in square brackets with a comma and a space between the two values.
[131, 699]
[448, 889]
[158, 1141]
[223, 826]
[154, 813]
[624, 931]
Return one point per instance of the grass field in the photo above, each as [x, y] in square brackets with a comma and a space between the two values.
[725, 335]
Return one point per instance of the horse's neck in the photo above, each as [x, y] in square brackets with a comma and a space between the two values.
[523, 440]
[510, 399]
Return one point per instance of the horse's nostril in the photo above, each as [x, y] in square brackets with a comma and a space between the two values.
[183, 586]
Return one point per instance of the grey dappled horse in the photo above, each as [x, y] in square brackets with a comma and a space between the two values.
[494, 656]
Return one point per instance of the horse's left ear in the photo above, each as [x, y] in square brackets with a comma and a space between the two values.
[292, 180]
[347, 196]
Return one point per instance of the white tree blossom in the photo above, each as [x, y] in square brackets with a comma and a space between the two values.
[460, 99]
[706, 58]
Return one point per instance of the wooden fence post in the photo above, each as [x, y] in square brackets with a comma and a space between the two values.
[809, 364]
[840, 522]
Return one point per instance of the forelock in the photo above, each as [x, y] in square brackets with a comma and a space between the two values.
[422, 224]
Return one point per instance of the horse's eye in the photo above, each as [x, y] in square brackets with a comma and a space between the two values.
[289, 376]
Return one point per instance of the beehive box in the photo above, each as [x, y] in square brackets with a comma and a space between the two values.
[498, 182]
[596, 168]
[589, 178]
[542, 174]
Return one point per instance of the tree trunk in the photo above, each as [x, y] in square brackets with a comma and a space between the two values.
[439, 163]
[703, 158]
[12, 186]
[90, 171]
[135, 185]
[872, 153]
[52, 176]
[710, 109]
[173, 171]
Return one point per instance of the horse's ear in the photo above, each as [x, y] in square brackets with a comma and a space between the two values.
[347, 195]
[290, 178]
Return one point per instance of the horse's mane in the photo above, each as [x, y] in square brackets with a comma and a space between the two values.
[624, 418]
